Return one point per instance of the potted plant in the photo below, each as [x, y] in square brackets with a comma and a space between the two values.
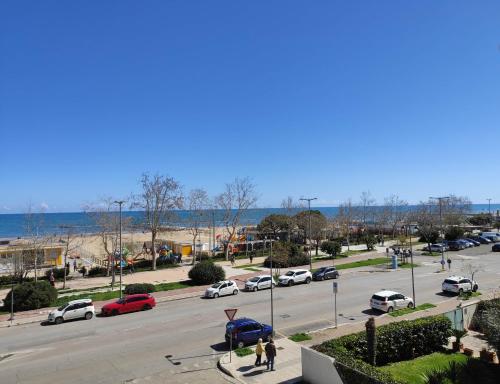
[457, 344]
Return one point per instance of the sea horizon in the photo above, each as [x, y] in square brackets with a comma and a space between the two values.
[12, 224]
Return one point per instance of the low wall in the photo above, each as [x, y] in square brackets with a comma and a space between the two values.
[318, 368]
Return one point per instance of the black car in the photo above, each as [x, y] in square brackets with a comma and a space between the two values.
[495, 247]
[326, 273]
[456, 245]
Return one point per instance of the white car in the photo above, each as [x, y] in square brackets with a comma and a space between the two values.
[76, 309]
[388, 301]
[259, 282]
[295, 276]
[459, 284]
[222, 288]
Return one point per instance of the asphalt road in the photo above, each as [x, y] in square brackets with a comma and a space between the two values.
[181, 341]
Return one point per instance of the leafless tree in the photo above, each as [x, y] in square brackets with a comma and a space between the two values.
[71, 242]
[160, 196]
[237, 198]
[32, 256]
[471, 269]
[198, 204]
[366, 208]
[397, 212]
[424, 215]
[345, 219]
[291, 208]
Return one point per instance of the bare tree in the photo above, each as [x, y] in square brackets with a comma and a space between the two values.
[470, 270]
[366, 207]
[237, 198]
[291, 208]
[198, 204]
[160, 196]
[425, 217]
[35, 241]
[345, 219]
[71, 242]
[397, 212]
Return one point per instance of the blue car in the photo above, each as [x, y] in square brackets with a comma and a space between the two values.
[247, 331]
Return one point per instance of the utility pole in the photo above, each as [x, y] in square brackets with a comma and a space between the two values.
[310, 240]
[440, 199]
[489, 206]
[120, 203]
[272, 283]
[408, 227]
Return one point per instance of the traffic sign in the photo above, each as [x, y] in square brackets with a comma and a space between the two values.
[230, 313]
[335, 287]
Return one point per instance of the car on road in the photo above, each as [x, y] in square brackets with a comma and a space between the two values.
[222, 288]
[75, 309]
[324, 273]
[435, 248]
[388, 301]
[257, 283]
[459, 284]
[456, 245]
[246, 331]
[495, 247]
[130, 303]
[295, 276]
[473, 241]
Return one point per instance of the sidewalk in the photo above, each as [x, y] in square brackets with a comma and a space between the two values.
[240, 275]
[288, 362]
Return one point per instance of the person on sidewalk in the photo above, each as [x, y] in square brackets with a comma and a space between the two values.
[258, 351]
[75, 265]
[251, 258]
[232, 260]
[52, 279]
[449, 263]
[270, 354]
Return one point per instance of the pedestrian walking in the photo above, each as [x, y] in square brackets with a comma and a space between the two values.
[251, 258]
[74, 266]
[270, 354]
[52, 279]
[258, 351]
[232, 259]
[83, 271]
[449, 263]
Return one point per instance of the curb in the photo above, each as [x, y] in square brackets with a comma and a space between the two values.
[224, 371]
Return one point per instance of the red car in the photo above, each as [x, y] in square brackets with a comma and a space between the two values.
[131, 303]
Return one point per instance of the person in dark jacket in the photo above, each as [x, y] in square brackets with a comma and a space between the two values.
[270, 354]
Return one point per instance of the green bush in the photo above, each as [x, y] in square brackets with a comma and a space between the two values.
[206, 272]
[453, 233]
[96, 272]
[58, 273]
[399, 341]
[132, 289]
[332, 248]
[31, 295]
[7, 280]
[286, 255]
[477, 323]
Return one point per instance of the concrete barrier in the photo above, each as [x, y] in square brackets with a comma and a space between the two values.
[318, 368]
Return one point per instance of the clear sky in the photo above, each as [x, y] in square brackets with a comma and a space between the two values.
[324, 98]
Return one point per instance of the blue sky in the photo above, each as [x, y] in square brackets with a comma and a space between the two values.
[323, 98]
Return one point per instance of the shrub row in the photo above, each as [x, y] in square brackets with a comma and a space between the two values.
[31, 295]
[132, 289]
[399, 341]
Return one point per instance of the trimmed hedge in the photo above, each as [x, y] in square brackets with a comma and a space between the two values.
[7, 279]
[31, 295]
[96, 272]
[58, 273]
[477, 323]
[396, 342]
[206, 272]
[132, 289]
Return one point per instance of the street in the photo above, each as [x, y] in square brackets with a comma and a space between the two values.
[134, 347]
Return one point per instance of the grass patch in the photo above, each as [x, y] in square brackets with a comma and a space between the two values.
[298, 337]
[413, 371]
[240, 352]
[431, 253]
[408, 265]
[353, 252]
[362, 263]
[468, 295]
[252, 269]
[405, 311]
[102, 296]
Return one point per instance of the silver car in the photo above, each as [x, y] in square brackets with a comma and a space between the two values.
[257, 283]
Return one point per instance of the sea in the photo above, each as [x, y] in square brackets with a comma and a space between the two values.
[13, 225]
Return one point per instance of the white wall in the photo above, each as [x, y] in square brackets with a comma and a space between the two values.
[318, 368]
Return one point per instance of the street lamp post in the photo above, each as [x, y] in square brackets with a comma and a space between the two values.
[408, 227]
[120, 203]
[272, 283]
[310, 240]
[489, 206]
[440, 199]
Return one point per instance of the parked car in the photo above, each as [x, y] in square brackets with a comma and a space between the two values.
[130, 303]
[222, 288]
[435, 248]
[473, 241]
[481, 239]
[388, 301]
[259, 282]
[246, 331]
[295, 276]
[76, 309]
[456, 245]
[459, 284]
[324, 273]
[465, 243]
[493, 239]
[495, 247]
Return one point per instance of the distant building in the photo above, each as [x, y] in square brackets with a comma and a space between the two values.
[14, 255]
